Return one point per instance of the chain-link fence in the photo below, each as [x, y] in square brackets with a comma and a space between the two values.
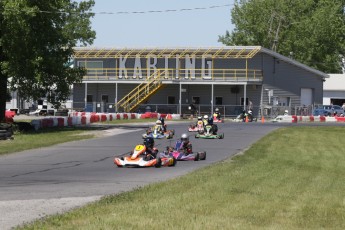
[186, 110]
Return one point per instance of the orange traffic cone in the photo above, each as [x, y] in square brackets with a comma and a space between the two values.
[262, 119]
[246, 119]
[169, 117]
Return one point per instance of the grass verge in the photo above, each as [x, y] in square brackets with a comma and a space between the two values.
[43, 138]
[290, 179]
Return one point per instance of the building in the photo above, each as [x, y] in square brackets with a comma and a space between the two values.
[194, 80]
[334, 90]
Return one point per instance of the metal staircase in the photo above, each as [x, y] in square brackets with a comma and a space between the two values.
[140, 93]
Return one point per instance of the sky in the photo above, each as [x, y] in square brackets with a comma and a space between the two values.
[176, 26]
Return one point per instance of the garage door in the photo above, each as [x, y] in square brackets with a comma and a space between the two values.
[306, 96]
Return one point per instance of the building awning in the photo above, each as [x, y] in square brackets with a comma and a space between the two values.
[238, 52]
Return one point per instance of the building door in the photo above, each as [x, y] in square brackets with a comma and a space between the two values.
[306, 96]
[104, 104]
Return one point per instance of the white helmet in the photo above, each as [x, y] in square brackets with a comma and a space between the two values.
[184, 137]
[205, 117]
[250, 112]
[286, 111]
[199, 117]
[217, 110]
[158, 122]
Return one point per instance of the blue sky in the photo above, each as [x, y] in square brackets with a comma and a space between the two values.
[180, 28]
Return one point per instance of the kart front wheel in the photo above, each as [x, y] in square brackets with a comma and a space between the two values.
[158, 162]
[221, 136]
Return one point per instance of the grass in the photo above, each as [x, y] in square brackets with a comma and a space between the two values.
[52, 136]
[43, 138]
[290, 179]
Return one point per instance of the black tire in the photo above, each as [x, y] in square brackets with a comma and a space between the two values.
[174, 162]
[196, 136]
[173, 132]
[158, 163]
[197, 157]
[203, 158]
[221, 136]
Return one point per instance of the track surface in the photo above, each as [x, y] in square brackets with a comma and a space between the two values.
[45, 181]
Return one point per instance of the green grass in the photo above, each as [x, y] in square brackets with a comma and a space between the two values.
[52, 136]
[43, 138]
[291, 179]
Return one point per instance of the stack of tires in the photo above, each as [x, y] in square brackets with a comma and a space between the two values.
[6, 131]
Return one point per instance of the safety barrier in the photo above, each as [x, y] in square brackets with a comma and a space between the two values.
[86, 118]
[295, 119]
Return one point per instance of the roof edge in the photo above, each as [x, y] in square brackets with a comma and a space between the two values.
[293, 62]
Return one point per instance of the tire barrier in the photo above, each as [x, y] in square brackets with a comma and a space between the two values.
[86, 118]
[295, 119]
[6, 131]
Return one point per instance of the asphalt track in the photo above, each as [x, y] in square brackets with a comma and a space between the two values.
[40, 182]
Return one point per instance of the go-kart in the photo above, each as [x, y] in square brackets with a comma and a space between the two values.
[154, 133]
[199, 126]
[245, 116]
[180, 155]
[138, 158]
[217, 120]
[208, 133]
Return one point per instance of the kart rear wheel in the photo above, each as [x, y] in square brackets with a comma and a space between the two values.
[221, 136]
[174, 162]
[197, 157]
[158, 162]
[204, 155]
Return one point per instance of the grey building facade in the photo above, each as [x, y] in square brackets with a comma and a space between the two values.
[195, 80]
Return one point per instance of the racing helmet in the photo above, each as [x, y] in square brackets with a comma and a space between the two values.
[184, 137]
[286, 111]
[217, 110]
[158, 122]
[199, 118]
[149, 142]
[250, 112]
[206, 117]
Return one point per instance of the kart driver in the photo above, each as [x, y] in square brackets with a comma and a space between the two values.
[199, 121]
[205, 120]
[186, 146]
[163, 124]
[159, 126]
[214, 126]
[150, 152]
[216, 114]
[181, 145]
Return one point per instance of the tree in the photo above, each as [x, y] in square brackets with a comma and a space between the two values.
[310, 31]
[36, 43]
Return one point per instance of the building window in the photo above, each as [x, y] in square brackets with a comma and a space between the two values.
[219, 100]
[284, 101]
[242, 101]
[171, 100]
[92, 67]
[105, 98]
[89, 98]
[196, 100]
